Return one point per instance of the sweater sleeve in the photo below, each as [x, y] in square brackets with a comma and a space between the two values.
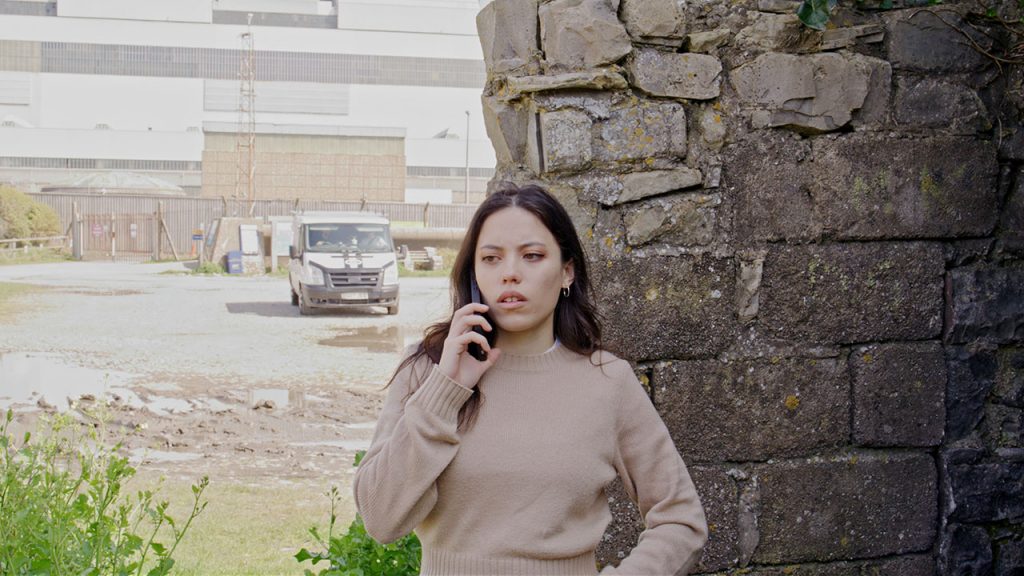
[415, 440]
[656, 479]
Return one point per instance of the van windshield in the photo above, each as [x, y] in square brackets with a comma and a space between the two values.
[337, 237]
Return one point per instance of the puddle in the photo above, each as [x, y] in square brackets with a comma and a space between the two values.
[162, 406]
[281, 398]
[35, 380]
[389, 339]
[343, 444]
[140, 455]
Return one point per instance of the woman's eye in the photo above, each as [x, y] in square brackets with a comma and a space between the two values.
[533, 256]
[489, 258]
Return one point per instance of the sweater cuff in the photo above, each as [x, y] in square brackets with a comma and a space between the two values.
[441, 395]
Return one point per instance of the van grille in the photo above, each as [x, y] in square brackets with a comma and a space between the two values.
[356, 277]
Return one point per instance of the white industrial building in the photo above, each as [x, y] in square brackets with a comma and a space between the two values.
[145, 86]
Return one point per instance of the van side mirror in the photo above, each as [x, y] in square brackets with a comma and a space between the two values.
[293, 251]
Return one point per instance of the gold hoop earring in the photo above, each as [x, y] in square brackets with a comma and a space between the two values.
[565, 292]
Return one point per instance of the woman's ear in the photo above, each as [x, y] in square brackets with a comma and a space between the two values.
[568, 273]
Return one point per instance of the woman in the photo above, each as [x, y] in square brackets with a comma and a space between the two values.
[500, 464]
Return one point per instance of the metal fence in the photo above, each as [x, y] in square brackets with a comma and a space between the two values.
[184, 215]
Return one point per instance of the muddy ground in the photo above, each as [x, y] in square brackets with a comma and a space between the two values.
[215, 375]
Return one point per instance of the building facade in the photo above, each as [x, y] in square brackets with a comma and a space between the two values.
[351, 100]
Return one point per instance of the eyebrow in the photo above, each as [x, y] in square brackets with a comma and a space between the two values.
[521, 246]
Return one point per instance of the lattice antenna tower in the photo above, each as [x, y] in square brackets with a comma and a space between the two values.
[245, 142]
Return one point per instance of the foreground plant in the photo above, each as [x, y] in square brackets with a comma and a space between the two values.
[356, 553]
[62, 510]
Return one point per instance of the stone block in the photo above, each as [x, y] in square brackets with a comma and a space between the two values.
[508, 35]
[851, 35]
[778, 6]
[847, 293]
[913, 565]
[709, 40]
[770, 179]
[876, 111]
[809, 93]
[507, 125]
[920, 188]
[1010, 234]
[965, 550]
[769, 32]
[645, 129]
[712, 128]
[681, 220]
[564, 142]
[937, 104]
[1009, 388]
[971, 376]
[798, 406]
[1004, 427]
[986, 492]
[691, 76]
[581, 34]
[899, 393]
[719, 496]
[858, 507]
[592, 80]
[987, 303]
[640, 185]
[1010, 558]
[666, 307]
[654, 21]
[919, 40]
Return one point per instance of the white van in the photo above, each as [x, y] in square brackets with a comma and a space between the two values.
[342, 260]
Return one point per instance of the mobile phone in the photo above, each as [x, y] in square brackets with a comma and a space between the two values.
[475, 350]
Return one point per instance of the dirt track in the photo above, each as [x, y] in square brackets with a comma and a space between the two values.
[210, 375]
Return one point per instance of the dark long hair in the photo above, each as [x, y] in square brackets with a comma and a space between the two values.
[576, 322]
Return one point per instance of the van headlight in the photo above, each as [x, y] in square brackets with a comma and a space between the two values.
[312, 275]
[391, 274]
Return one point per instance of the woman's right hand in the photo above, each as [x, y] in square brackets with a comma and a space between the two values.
[456, 362]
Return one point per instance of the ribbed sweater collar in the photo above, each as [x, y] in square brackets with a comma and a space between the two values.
[557, 356]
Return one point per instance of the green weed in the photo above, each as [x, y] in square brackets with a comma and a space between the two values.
[62, 510]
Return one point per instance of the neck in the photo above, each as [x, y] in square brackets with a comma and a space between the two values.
[527, 343]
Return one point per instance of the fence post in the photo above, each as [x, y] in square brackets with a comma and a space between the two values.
[155, 234]
[76, 232]
[113, 237]
[426, 209]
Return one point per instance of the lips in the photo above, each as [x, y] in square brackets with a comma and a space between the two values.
[510, 299]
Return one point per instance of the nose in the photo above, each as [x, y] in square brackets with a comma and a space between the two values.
[510, 272]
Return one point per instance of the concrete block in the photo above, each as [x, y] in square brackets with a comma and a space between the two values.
[680, 220]
[932, 103]
[850, 293]
[858, 507]
[720, 497]
[798, 406]
[920, 188]
[564, 141]
[899, 392]
[691, 299]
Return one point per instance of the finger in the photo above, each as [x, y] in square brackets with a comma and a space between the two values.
[470, 309]
[472, 320]
[465, 339]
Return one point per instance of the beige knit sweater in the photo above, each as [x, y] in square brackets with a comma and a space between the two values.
[521, 491]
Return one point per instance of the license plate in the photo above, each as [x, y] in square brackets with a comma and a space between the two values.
[354, 295]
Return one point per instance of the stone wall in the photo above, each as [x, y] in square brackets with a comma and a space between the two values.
[809, 244]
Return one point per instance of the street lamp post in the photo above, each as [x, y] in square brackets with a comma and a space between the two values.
[467, 157]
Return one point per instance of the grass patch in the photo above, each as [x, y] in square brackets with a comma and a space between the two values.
[33, 256]
[9, 292]
[248, 530]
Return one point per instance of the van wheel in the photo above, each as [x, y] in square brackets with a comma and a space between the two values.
[304, 308]
[295, 298]
[392, 310]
